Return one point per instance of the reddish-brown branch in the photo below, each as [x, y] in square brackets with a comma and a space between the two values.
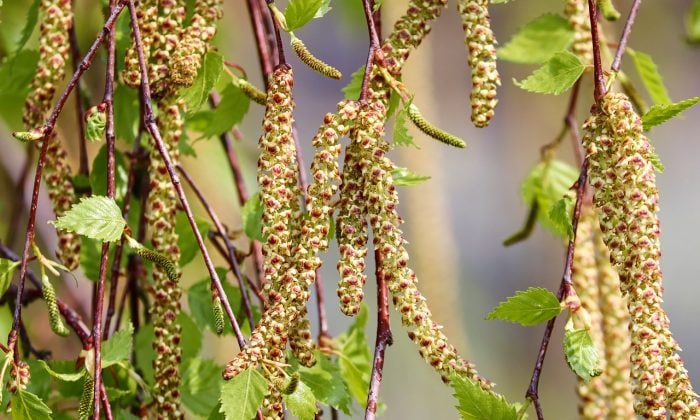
[223, 251]
[257, 18]
[152, 128]
[373, 45]
[245, 297]
[384, 338]
[625, 35]
[595, 39]
[532, 390]
[281, 60]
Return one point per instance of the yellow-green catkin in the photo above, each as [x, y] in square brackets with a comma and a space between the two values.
[428, 128]
[626, 197]
[593, 394]
[481, 45]
[616, 337]
[161, 213]
[251, 91]
[85, 403]
[382, 201]
[147, 16]
[54, 47]
[187, 56]
[49, 294]
[576, 12]
[313, 62]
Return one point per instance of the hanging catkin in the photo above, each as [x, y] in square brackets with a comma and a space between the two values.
[622, 174]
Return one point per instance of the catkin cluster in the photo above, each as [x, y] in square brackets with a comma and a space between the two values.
[481, 45]
[626, 197]
[161, 215]
[19, 377]
[54, 47]
[576, 12]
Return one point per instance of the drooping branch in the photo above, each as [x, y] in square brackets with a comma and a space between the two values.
[622, 45]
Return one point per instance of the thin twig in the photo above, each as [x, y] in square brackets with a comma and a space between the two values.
[214, 238]
[384, 338]
[48, 130]
[597, 66]
[373, 45]
[532, 390]
[245, 297]
[107, 102]
[152, 128]
[278, 37]
[625, 35]
[261, 40]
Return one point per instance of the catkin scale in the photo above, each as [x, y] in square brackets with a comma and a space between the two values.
[85, 404]
[312, 61]
[251, 91]
[218, 311]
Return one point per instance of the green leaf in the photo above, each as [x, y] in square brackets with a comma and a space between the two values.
[560, 216]
[692, 22]
[201, 378]
[538, 40]
[405, 178]
[299, 12]
[186, 239]
[63, 370]
[326, 382]
[126, 111]
[581, 354]
[118, 347]
[546, 183]
[477, 404]
[354, 357]
[198, 93]
[251, 216]
[401, 135]
[659, 114]
[98, 174]
[231, 110]
[656, 161]
[29, 24]
[96, 217]
[651, 77]
[7, 269]
[352, 90]
[242, 395]
[27, 406]
[301, 402]
[556, 76]
[530, 307]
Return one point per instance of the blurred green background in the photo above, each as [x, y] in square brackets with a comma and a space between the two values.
[456, 221]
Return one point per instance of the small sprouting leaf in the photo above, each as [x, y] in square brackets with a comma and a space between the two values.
[352, 90]
[651, 77]
[242, 395]
[98, 174]
[354, 357]
[656, 161]
[7, 269]
[324, 9]
[96, 217]
[581, 354]
[546, 183]
[530, 307]
[27, 406]
[692, 22]
[405, 178]
[301, 403]
[118, 347]
[475, 403]
[95, 123]
[29, 24]
[201, 378]
[63, 370]
[196, 94]
[538, 40]
[659, 114]
[401, 135]
[299, 12]
[326, 382]
[555, 76]
[251, 216]
[560, 216]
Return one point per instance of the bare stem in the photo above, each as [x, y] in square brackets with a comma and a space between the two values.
[625, 35]
[597, 66]
[152, 128]
[373, 45]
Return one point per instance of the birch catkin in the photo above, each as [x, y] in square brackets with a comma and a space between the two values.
[481, 45]
[623, 176]
[576, 12]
